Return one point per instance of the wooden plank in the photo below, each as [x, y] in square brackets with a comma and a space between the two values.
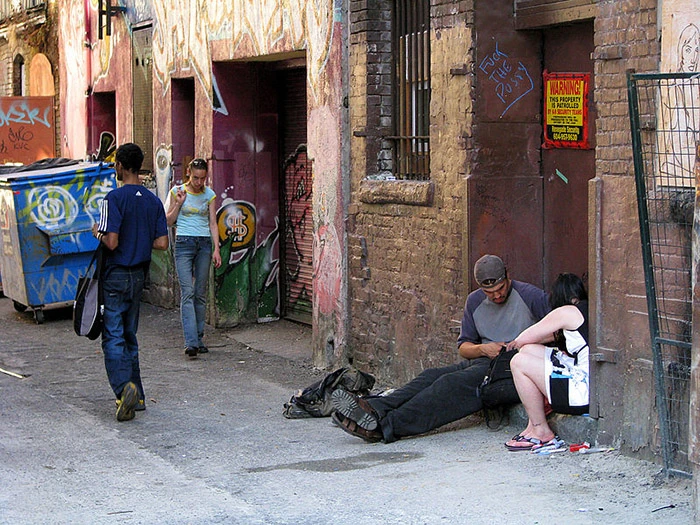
[532, 14]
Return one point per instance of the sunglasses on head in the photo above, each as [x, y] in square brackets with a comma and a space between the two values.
[199, 164]
[488, 283]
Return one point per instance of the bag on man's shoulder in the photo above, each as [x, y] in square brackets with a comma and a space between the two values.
[498, 387]
[315, 399]
[87, 308]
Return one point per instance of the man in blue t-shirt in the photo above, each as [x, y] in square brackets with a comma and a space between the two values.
[132, 224]
[494, 314]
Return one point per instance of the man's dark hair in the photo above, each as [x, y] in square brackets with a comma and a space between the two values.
[130, 157]
[567, 286]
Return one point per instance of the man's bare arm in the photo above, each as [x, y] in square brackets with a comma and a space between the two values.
[470, 350]
[161, 243]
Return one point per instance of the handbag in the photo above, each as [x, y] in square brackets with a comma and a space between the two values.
[498, 387]
[88, 304]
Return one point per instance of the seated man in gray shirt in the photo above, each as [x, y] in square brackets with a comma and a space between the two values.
[493, 315]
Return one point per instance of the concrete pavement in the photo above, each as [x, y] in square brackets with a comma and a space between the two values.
[213, 447]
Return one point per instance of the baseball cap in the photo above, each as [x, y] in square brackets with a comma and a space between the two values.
[489, 270]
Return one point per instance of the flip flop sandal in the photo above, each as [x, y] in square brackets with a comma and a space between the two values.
[355, 408]
[352, 428]
[528, 443]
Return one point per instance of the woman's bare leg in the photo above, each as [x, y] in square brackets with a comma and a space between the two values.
[528, 373]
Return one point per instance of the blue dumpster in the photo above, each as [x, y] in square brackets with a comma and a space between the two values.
[46, 215]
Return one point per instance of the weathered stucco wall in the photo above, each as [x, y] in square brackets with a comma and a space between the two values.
[188, 39]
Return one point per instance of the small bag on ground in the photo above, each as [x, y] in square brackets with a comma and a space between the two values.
[498, 387]
[87, 308]
[315, 400]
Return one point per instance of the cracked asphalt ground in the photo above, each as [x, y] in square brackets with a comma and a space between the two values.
[213, 446]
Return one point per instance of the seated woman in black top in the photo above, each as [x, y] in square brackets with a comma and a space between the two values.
[552, 364]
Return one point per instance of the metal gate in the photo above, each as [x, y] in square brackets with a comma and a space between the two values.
[298, 237]
[665, 121]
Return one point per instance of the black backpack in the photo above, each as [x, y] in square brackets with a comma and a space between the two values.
[315, 399]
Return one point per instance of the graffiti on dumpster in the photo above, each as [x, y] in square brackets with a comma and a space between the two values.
[247, 280]
[52, 206]
[94, 196]
[51, 285]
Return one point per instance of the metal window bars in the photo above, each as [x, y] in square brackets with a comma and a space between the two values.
[411, 41]
[11, 7]
[664, 113]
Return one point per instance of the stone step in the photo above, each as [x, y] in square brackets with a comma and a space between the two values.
[572, 429]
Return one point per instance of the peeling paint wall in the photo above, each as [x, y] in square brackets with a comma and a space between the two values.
[189, 39]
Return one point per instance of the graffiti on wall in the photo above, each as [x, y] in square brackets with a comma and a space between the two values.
[74, 80]
[184, 31]
[680, 113]
[26, 129]
[163, 171]
[246, 284]
[510, 80]
[298, 232]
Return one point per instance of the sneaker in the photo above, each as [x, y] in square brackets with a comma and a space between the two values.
[191, 351]
[140, 406]
[203, 350]
[128, 401]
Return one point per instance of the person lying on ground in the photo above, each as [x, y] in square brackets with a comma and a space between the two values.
[552, 364]
[496, 312]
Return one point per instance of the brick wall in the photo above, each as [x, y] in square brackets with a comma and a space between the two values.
[625, 38]
[371, 76]
[405, 253]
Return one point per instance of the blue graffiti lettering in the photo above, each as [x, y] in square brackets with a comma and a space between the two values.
[492, 59]
[512, 84]
[21, 113]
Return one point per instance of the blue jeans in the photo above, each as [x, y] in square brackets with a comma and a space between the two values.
[122, 288]
[192, 261]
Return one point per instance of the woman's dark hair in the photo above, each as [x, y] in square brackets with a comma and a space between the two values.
[566, 287]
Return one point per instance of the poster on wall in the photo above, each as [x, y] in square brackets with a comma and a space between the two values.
[678, 111]
[27, 131]
[566, 110]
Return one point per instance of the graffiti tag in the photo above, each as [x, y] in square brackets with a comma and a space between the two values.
[512, 81]
[21, 113]
[52, 206]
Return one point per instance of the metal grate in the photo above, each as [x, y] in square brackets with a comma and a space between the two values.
[10, 7]
[298, 237]
[665, 123]
[411, 33]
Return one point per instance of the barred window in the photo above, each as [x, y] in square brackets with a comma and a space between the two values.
[18, 76]
[411, 60]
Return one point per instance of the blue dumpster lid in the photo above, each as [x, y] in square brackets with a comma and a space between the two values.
[48, 167]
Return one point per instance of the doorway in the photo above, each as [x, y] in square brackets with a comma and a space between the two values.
[296, 179]
[182, 122]
[102, 125]
[566, 172]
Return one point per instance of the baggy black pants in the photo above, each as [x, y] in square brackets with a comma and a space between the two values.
[437, 396]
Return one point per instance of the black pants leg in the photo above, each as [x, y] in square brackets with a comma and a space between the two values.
[434, 398]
